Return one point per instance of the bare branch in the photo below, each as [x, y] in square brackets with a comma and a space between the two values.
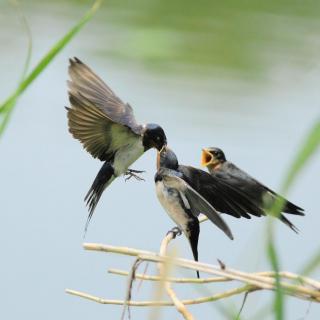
[292, 284]
[163, 271]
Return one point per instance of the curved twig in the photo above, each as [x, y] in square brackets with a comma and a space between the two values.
[163, 271]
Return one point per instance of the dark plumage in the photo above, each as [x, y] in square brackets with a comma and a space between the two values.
[213, 190]
[107, 128]
[260, 195]
[181, 198]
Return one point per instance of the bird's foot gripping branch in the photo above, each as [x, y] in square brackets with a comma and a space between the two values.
[291, 284]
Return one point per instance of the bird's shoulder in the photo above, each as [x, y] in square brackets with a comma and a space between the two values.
[199, 180]
[238, 176]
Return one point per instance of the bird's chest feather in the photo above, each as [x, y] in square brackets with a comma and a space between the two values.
[171, 201]
[126, 155]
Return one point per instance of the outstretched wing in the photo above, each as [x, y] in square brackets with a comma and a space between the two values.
[194, 201]
[97, 117]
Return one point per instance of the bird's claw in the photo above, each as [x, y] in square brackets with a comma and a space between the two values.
[133, 173]
[175, 231]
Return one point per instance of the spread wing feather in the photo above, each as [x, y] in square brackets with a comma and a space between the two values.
[97, 117]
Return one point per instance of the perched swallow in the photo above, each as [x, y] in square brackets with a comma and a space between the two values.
[215, 194]
[182, 202]
[107, 128]
[263, 197]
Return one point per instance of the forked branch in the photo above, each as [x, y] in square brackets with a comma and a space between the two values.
[292, 284]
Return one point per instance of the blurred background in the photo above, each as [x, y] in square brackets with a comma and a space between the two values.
[240, 75]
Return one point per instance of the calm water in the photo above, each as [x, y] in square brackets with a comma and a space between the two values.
[45, 173]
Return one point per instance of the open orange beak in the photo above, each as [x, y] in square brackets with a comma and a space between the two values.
[206, 157]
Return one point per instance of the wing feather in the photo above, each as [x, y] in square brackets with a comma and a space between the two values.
[97, 117]
[197, 203]
[86, 84]
[222, 196]
[254, 188]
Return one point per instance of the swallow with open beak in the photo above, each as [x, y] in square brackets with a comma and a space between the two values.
[185, 192]
[107, 129]
[263, 197]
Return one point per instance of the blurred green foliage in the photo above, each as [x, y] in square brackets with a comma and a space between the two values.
[7, 106]
[308, 148]
[239, 36]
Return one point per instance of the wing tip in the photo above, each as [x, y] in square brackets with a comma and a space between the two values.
[230, 235]
[74, 61]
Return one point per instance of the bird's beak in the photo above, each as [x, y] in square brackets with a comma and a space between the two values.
[163, 147]
[206, 157]
[158, 159]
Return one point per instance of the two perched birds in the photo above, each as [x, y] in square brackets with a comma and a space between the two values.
[107, 129]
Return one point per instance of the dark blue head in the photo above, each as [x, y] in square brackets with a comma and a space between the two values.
[153, 137]
[167, 159]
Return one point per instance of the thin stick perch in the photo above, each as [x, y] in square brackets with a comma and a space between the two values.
[292, 284]
[163, 267]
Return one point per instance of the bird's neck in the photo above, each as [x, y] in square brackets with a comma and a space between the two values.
[214, 166]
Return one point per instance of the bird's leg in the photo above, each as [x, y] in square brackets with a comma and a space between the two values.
[133, 173]
[175, 231]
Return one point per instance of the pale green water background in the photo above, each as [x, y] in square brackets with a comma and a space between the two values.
[245, 79]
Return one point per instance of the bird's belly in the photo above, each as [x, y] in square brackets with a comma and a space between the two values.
[127, 155]
[170, 201]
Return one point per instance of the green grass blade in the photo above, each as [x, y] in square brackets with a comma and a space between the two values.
[312, 265]
[58, 47]
[5, 117]
[278, 304]
[9, 104]
[308, 148]
[29, 38]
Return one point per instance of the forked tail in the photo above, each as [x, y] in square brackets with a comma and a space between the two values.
[103, 179]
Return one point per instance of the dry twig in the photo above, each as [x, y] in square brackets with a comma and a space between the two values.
[291, 284]
[163, 271]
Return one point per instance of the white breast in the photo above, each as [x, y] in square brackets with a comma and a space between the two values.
[169, 199]
[127, 155]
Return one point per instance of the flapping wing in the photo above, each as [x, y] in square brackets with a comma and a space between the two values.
[97, 117]
[197, 203]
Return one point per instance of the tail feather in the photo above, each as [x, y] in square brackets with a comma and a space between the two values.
[293, 209]
[288, 223]
[193, 237]
[288, 206]
[101, 182]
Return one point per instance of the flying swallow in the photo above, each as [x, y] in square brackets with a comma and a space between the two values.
[263, 197]
[185, 192]
[107, 129]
